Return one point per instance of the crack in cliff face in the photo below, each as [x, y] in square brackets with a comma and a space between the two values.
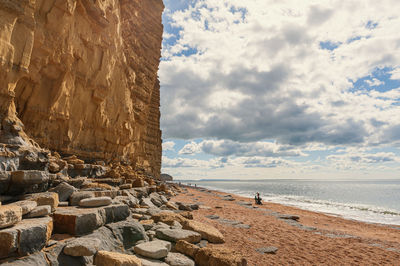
[81, 76]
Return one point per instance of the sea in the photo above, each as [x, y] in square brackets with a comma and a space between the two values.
[373, 201]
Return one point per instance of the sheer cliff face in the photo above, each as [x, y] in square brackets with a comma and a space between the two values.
[81, 76]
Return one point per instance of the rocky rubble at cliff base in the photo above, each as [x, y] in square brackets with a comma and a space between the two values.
[68, 212]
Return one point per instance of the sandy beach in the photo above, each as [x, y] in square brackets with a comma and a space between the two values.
[314, 239]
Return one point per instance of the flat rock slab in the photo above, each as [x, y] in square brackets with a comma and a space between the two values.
[206, 231]
[26, 205]
[28, 181]
[84, 246]
[106, 258]
[212, 217]
[95, 202]
[10, 215]
[243, 226]
[178, 259]
[233, 223]
[289, 217]
[27, 237]
[174, 235]
[81, 221]
[267, 250]
[156, 249]
[244, 203]
[39, 211]
[230, 222]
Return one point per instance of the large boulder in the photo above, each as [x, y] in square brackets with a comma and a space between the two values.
[44, 198]
[174, 235]
[84, 246]
[5, 178]
[157, 199]
[55, 256]
[128, 232]
[10, 215]
[27, 237]
[206, 231]
[26, 205]
[156, 249]
[168, 217]
[39, 211]
[28, 181]
[76, 221]
[147, 202]
[64, 191]
[81, 221]
[38, 258]
[219, 257]
[77, 196]
[187, 248]
[106, 258]
[116, 213]
[178, 259]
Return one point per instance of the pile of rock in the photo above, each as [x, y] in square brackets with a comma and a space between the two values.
[69, 212]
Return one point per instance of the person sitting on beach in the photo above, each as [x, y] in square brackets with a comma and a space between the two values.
[258, 199]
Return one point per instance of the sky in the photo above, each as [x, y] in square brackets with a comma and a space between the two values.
[262, 89]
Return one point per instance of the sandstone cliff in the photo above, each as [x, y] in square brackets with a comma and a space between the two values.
[80, 77]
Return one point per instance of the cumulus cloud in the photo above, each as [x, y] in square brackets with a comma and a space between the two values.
[190, 148]
[168, 146]
[260, 81]
[232, 148]
[191, 163]
[255, 70]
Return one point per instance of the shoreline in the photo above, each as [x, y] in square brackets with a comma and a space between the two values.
[351, 206]
[314, 237]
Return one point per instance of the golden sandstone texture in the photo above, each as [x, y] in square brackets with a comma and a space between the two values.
[80, 77]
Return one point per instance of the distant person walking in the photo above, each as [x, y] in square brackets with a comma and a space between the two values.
[257, 199]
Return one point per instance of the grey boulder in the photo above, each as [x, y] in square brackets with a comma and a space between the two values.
[178, 259]
[156, 249]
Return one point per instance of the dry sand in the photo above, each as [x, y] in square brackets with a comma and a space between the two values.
[316, 239]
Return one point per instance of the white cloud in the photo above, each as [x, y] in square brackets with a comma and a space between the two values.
[260, 73]
[261, 149]
[395, 74]
[374, 82]
[190, 148]
[168, 146]
[243, 72]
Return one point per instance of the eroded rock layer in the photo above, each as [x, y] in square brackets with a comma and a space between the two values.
[81, 76]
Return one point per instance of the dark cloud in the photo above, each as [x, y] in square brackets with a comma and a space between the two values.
[266, 112]
[318, 15]
[228, 148]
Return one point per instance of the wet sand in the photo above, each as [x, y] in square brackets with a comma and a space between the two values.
[315, 239]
